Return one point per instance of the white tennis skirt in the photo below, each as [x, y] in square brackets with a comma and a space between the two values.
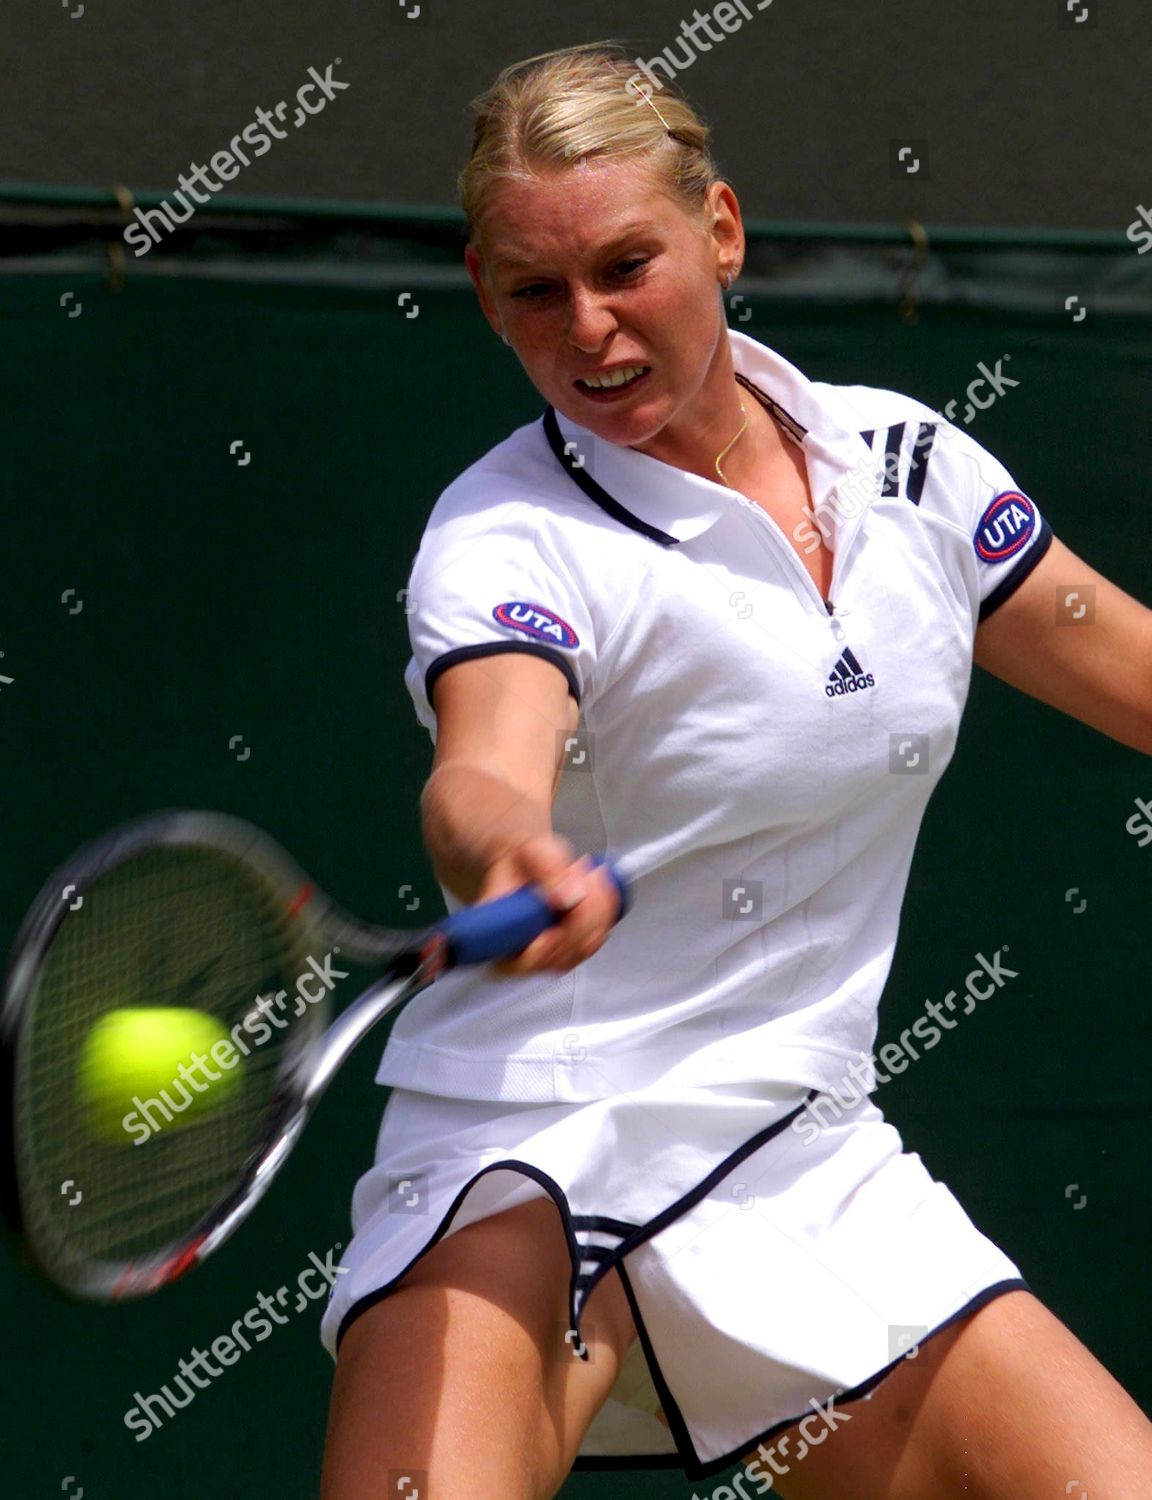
[777, 1249]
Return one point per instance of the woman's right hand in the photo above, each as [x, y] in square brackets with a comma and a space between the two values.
[585, 893]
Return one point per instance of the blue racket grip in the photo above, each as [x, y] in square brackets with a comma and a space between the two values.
[502, 928]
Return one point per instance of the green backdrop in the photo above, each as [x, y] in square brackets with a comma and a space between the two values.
[259, 600]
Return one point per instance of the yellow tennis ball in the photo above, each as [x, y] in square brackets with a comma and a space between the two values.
[147, 1069]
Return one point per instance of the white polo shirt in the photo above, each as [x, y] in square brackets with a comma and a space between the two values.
[757, 758]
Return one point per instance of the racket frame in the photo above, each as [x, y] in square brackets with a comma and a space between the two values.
[309, 1063]
[310, 1060]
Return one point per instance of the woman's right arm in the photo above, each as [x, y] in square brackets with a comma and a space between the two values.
[486, 808]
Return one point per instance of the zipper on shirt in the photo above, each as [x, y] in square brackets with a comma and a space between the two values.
[837, 628]
[782, 541]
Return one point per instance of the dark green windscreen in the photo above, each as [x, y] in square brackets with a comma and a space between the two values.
[186, 629]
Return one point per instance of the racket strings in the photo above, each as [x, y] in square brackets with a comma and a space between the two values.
[185, 927]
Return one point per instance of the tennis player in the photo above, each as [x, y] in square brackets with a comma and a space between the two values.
[720, 619]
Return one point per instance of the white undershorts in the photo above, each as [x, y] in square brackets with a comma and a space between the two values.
[774, 1253]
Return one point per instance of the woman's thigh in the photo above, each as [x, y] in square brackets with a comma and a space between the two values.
[463, 1375]
[1006, 1404]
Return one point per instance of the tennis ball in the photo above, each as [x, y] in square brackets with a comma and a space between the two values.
[129, 1078]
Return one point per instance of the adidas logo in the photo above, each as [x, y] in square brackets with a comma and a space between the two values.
[848, 676]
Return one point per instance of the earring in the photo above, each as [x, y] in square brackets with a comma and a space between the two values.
[728, 280]
[505, 337]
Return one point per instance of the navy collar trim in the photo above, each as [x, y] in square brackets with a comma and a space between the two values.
[791, 426]
[574, 465]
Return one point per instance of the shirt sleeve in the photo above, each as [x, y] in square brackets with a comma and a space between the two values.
[1006, 534]
[489, 581]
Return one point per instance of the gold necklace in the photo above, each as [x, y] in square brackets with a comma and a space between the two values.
[732, 444]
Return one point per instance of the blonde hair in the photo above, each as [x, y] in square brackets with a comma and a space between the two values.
[578, 103]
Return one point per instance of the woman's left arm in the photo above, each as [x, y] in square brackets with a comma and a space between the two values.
[1074, 640]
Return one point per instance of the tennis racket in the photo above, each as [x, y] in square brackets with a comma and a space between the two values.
[206, 914]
